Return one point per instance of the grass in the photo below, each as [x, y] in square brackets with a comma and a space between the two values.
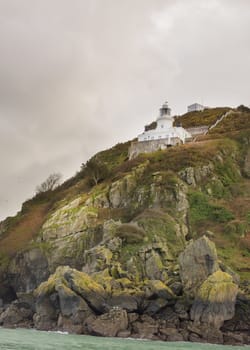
[201, 209]
[226, 215]
[233, 122]
[206, 117]
[23, 230]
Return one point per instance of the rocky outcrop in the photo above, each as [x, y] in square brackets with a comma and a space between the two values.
[118, 258]
[18, 314]
[215, 301]
[66, 300]
[28, 270]
[197, 262]
[109, 324]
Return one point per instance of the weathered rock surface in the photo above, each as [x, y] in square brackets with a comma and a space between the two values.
[66, 300]
[18, 314]
[114, 259]
[109, 324]
[28, 270]
[197, 262]
[215, 301]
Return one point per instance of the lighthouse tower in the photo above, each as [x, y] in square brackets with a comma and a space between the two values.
[164, 121]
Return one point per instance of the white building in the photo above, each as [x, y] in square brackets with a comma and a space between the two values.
[195, 107]
[165, 129]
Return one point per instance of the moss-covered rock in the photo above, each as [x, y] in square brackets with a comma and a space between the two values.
[215, 301]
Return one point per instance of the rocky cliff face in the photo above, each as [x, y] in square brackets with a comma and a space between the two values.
[147, 252]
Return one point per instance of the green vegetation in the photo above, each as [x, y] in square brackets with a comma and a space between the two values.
[202, 210]
[235, 121]
[149, 186]
[130, 233]
[206, 117]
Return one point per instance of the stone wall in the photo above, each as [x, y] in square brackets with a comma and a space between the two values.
[151, 146]
[199, 130]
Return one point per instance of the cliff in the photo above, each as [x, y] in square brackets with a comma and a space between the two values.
[155, 247]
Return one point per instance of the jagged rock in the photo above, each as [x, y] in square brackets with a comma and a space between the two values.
[176, 287]
[170, 317]
[197, 262]
[27, 270]
[47, 311]
[109, 324]
[77, 282]
[233, 338]
[145, 328]
[71, 218]
[170, 333]
[157, 289]
[215, 301]
[187, 175]
[97, 259]
[17, 314]
[240, 323]
[70, 294]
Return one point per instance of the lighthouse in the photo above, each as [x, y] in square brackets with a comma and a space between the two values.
[164, 135]
[165, 130]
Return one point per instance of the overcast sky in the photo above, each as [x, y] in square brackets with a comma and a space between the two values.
[78, 76]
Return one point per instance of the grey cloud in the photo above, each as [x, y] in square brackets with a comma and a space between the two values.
[78, 76]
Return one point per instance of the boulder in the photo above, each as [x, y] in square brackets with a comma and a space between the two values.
[66, 299]
[215, 301]
[197, 262]
[109, 324]
[145, 328]
[17, 314]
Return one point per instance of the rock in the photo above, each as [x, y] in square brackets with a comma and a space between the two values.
[27, 270]
[169, 316]
[18, 314]
[240, 323]
[177, 288]
[197, 262]
[67, 299]
[71, 218]
[182, 309]
[97, 259]
[157, 289]
[47, 311]
[125, 301]
[204, 333]
[109, 324]
[70, 282]
[124, 334]
[215, 301]
[231, 338]
[187, 175]
[145, 328]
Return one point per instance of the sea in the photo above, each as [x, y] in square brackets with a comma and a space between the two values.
[25, 339]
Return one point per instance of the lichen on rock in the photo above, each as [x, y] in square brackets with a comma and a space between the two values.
[215, 300]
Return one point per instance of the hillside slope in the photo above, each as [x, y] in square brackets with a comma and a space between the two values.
[160, 243]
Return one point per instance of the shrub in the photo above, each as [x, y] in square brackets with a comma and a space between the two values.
[202, 210]
[130, 233]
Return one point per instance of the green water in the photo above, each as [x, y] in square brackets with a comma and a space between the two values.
[23, 339]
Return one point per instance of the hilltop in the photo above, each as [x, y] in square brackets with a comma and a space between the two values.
[157, 246]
